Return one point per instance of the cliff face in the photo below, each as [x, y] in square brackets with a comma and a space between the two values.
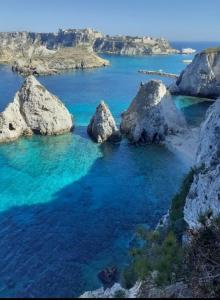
[49, 53]
[201, 77]
[152, 115]
[127, 45]
[204, 195]
[34, 110]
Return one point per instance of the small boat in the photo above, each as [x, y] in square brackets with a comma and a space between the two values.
[187, 61]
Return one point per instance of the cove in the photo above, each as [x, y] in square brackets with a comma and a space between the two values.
[69, 207]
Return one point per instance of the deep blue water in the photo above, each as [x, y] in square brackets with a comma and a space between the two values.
[69, 207]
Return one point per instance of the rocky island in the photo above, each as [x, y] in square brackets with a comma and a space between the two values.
[51, 53]
[34, 111]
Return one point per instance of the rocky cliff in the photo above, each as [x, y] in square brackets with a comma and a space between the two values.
[204, 195]
[202, 77]
[34, 110]
[152, 115]
[44, 54]
[128, 45]
[102, 127]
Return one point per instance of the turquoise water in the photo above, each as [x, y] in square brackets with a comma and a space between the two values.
[69, 207]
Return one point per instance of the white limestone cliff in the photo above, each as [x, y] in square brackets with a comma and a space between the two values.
[204, 195]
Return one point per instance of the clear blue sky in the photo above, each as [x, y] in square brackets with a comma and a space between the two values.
[197, 20]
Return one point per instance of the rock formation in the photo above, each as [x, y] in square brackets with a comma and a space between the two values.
[102, 127]
[34, 110]
[113, 292]
[204, 195]
[202, 77]
[152, 115]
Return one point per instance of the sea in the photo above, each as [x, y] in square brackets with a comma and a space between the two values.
[69, 208]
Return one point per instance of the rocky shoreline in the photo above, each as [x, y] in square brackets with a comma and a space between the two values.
[199, 209]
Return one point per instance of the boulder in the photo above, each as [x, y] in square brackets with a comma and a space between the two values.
[34, 110]
[152, 115]
[102, 127]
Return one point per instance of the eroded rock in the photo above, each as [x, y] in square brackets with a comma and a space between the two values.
[34, 110]
[202, 77]
[102, 127]
[152, 115]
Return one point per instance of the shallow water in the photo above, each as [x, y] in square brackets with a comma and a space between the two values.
[69, 207]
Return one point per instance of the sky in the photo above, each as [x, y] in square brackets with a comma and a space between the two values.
[176, 20]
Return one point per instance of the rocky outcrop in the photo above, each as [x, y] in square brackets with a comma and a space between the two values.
[204, 195]
[34, 110]
[202, 77]
[152, 115]
[143, 291]
[102, 127]
[114, 292]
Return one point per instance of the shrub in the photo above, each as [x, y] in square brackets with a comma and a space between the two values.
[203, 261]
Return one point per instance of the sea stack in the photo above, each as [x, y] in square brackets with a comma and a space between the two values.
[34, 110]
[102, 127]
[202, 77]
[204, 196]
[152, 115]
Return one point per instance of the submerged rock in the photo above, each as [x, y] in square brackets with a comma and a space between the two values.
[34, 110]
[102, 127]
[204, 195]
[202, 77]
[152, 115]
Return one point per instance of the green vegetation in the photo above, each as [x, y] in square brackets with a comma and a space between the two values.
[203, 259]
